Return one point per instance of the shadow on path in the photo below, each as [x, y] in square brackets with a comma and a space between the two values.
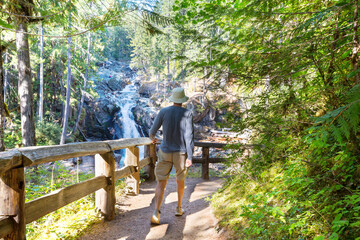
[133, 218]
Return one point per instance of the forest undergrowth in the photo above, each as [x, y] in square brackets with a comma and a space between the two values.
[68, 222]
[303, 183]
[294, 67]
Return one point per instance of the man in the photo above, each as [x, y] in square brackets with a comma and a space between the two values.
[176, 148]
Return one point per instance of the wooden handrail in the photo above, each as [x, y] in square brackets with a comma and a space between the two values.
[124, 172]
[13, 161]
[221, 145]
[10, 159]
[211, 160]
[209, 144]
[59, 198]
[144, 162]
[126, 143]
[28, 156]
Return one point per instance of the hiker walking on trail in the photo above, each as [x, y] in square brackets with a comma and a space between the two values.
[176, 148]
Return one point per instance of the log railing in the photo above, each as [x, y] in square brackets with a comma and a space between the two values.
[15, 213]
[205, 158]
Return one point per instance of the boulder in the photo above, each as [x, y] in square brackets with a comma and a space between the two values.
[147, 89]
[98, 119]
[144, 117]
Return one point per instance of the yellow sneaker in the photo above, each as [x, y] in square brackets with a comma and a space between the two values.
[155, 218]
[179, 211]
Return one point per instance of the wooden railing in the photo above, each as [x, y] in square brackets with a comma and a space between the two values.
[15, 213]
[205, 157]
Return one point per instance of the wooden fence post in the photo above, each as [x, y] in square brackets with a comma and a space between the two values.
[105, 198]
[205, 164]
[149, 169]
[12, 201]
[153, 157]
[133, 181]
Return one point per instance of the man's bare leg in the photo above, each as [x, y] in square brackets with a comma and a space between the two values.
[159, 193]
[180, 188]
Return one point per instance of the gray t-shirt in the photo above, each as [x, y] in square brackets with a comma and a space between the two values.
[178, 130]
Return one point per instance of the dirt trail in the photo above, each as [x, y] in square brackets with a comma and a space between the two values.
[133, 219]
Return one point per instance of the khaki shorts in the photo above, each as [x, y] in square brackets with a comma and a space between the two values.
[165, 163]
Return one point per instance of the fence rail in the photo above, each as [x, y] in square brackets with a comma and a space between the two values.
[15, 213]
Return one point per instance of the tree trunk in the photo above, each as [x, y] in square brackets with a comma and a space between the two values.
[157, 81]
[267, 90]
[68, 89]
[204, 81]
[62, 89]
[2, 107]
[41, 94]
[85, 83]
[194, 82]
[356, 42]
[168, 68]
[25, 90]
[183, 73]
[173, 73]
[6, 79]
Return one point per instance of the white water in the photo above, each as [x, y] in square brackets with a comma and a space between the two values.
[126, 100]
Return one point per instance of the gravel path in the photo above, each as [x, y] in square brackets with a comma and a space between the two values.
[133, 218]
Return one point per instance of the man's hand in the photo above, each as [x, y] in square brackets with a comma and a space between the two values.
[188, 163]
[153, 139]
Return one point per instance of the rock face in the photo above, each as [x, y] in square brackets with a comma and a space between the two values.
[144, 117]
[145, 111]
[113, 76]
[99, 117]
[147, 89]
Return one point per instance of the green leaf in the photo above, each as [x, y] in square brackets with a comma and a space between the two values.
[353, 73]
[5, 24]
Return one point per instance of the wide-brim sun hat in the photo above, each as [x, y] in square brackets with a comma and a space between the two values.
[178, 96]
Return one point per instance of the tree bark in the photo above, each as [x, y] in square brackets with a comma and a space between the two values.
[62, 89]
[68, 89]
[2, 107]
[356, 42]
[25, 90]
[6, 79]
[173, 73]
[41, 94]
[183, 73]
[85, 83]
[168, 69]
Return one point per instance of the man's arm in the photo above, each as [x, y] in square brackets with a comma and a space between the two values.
[189, 139]
[155, 127]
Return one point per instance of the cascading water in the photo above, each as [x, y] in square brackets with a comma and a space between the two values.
[124, 125]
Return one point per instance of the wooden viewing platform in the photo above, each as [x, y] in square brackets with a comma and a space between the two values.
[15, 213]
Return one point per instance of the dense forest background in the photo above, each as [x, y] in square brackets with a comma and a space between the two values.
[291, 69]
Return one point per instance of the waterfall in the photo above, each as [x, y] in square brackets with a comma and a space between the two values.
[124, 124]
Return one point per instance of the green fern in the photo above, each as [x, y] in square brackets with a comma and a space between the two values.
[344, 121]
